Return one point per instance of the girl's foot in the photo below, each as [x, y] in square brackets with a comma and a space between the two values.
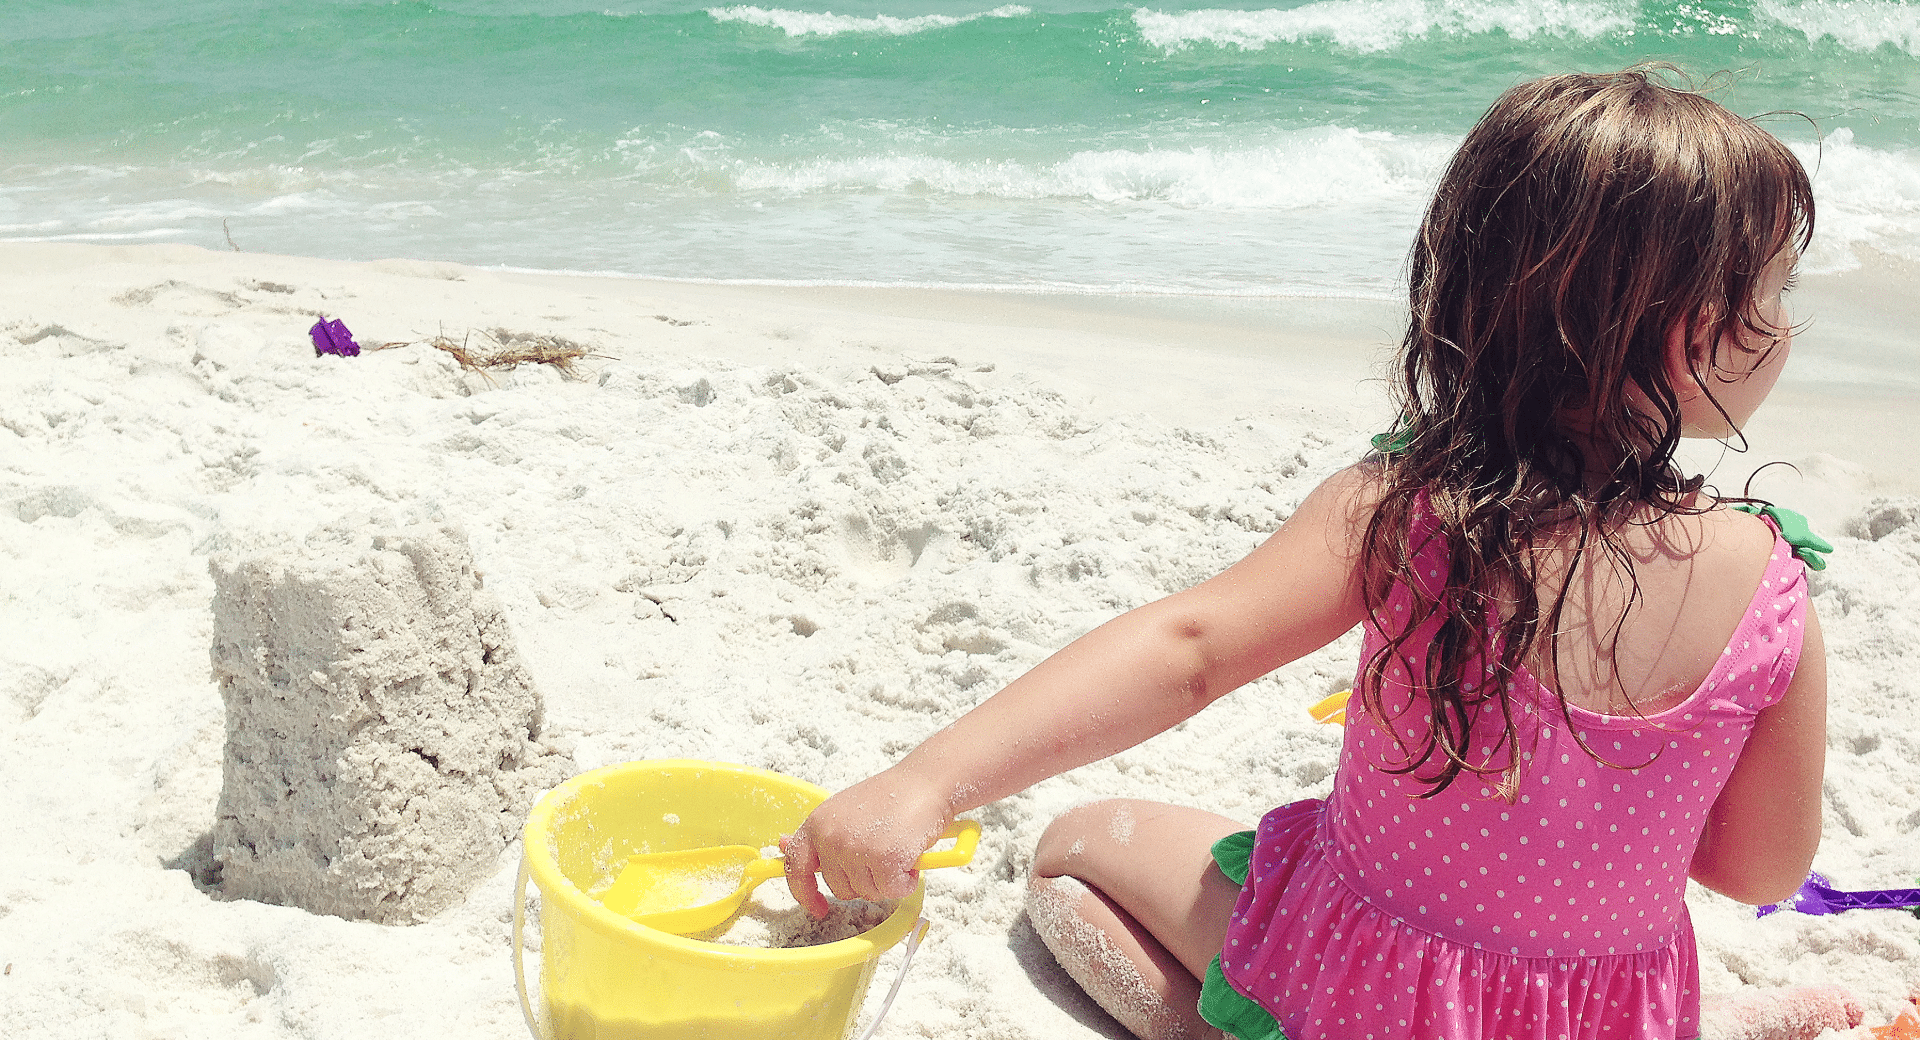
[1796, 1013]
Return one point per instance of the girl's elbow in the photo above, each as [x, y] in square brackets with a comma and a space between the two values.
[1194, 669]
[1753, 892]
[1757, 880]
[1787, 876]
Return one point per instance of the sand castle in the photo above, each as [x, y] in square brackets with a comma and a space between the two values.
[383, 738]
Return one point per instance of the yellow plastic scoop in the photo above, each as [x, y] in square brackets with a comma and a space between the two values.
[691, 891]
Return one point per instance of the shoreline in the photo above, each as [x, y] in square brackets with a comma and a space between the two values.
[1194, 360]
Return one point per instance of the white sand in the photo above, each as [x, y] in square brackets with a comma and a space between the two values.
[798, 529]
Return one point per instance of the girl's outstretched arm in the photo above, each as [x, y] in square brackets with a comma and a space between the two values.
[1129, 679]
[1763, 829]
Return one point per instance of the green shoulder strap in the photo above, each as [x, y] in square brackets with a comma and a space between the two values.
[1394, 441]
[1808, 546]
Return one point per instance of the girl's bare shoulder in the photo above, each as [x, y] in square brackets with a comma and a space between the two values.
[1354, 493]
[1729, 545]
[1643, 629]
[1706, 565]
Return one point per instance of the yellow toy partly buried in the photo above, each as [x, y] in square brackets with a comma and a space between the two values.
[1333, 710]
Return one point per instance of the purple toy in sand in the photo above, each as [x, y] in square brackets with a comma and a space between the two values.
[1817, 896]
[332, 337]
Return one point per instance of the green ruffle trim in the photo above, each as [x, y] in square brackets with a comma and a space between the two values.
[1225, 1008]
[1793, 528]
[1233, 853]
[1220, 1004]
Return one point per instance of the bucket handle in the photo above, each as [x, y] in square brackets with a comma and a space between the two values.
[519, 960]
[918, 933]
[913, 943]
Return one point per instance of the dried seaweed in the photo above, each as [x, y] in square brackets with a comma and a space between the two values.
[490, 350]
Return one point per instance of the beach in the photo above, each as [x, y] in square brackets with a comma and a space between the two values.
[798, 528]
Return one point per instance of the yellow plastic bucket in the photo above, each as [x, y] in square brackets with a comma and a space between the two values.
[604, 977]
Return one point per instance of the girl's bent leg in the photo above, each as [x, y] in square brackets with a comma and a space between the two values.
[1126, 895]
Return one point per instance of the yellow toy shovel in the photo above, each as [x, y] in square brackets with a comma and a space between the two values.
[691, 891]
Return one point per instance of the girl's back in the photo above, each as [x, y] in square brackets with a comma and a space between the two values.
[1544, 900]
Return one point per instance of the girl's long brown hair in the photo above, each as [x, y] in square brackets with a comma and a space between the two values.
[1583, 218]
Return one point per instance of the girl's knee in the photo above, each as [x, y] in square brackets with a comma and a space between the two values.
[1073, 834]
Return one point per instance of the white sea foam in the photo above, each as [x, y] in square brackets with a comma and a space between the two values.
[1319, 168]
[826, 23]
[1865, 196]
[1378, 25]
[1327, 209]
[1861, 25]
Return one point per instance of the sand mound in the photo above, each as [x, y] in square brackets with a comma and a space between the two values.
[382, 734]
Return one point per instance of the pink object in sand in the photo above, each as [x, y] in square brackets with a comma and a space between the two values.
[1796, 1013]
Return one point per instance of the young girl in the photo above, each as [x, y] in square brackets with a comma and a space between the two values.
[1582, 681]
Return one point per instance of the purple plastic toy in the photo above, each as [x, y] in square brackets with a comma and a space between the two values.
[332, 337]
[1816, 896]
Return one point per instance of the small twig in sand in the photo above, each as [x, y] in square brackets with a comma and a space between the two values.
[228, 233]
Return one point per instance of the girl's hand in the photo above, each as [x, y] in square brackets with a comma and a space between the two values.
[864, 842]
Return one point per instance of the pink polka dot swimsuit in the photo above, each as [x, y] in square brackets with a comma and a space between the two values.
[1466, 916]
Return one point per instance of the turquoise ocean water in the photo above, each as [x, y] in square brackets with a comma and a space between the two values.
[1259, 148]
